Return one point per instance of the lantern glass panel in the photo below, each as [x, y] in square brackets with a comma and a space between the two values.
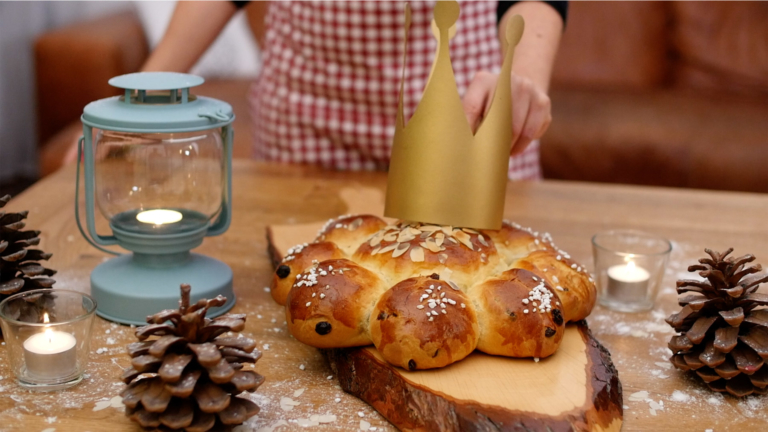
[150, 182]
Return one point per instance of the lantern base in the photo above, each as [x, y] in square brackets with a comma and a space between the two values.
[127, 290]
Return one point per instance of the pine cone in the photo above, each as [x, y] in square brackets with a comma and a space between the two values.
[189, 376]
[723, 337]
[19, 267]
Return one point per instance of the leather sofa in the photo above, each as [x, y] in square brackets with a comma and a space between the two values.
[655, 93]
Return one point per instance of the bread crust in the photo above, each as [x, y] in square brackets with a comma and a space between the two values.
[512, 322]
[298, 259]
[411, 332]
[571, 281]
[337, 291]
[445, 252]
[329, 305]
[348, 232]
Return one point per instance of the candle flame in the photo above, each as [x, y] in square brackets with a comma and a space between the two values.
[159, 216]
[48, 331]
[630, 266]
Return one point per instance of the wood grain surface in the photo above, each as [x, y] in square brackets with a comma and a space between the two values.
[278, 194]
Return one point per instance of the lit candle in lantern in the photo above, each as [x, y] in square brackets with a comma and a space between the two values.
[50, 354]
[159, 216]
[628, 282]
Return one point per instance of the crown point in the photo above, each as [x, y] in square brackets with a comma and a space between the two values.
[446, 14]
[514, 30]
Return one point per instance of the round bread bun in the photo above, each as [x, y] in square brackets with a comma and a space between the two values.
[329, 305]
[298, 259]
[572, 283]
[349, 231]
[398, 252]
[519, 315]
[423, 323]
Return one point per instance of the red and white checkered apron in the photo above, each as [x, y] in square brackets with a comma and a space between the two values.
[327, 94]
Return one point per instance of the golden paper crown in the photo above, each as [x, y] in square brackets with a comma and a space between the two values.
[440, 172]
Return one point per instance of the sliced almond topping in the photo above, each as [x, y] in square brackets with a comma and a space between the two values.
[376, 239]
[355, 224]
[430, 228]
[453, 240]
[482, 241]
[405, 236]
[439, 238]
[390, 237]
[414, 231]
[386, 249]
[400, 249]
[469, 231]
[375, 250]
[464, 238]
[431, 246]
[453, 285]
[417, 254]
[442, 258]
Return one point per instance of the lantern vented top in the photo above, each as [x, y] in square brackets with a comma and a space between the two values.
[168, 83]
[157, 102]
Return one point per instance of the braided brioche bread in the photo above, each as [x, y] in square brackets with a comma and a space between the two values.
[426, 295]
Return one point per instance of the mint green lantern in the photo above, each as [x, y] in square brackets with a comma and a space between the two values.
[158, 166]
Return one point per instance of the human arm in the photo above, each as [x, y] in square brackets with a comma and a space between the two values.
[192, 29]
[531, 72]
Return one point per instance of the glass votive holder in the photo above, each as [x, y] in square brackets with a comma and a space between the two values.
[47, 334]
[629, 267]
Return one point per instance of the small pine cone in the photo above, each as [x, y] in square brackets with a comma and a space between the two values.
[722, 335]
[20, 270]
[184, 374]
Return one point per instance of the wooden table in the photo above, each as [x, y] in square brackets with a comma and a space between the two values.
[271, 194]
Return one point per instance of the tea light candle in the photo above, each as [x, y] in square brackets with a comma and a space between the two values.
[628, 282]
[159, 216]
[50, 354]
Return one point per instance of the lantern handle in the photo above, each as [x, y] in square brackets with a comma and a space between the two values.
[225, 217]
[77, 202]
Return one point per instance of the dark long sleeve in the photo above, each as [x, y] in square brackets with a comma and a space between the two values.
[560, 6]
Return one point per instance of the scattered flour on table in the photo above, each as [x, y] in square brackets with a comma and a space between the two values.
[679, 396]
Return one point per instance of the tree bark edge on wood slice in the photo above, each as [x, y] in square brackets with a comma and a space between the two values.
[411, 407]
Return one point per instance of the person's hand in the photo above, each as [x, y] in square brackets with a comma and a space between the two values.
[531, 107]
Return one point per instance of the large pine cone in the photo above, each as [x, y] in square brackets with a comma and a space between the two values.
[723, 336]
[186, 377]
[19, 267]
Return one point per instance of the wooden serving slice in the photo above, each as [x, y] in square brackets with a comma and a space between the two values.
[577, 389]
